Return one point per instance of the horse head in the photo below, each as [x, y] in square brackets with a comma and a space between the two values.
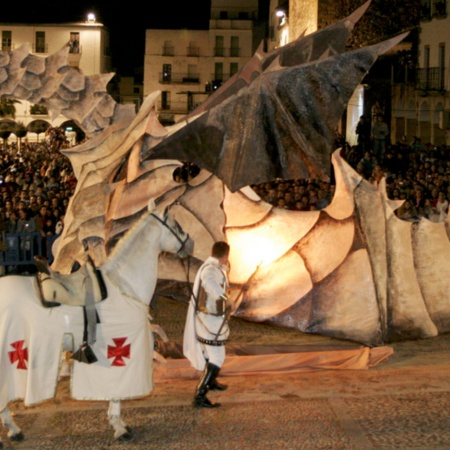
[133, 264]
[173, 236]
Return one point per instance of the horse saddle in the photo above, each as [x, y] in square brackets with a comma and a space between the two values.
[86, 285]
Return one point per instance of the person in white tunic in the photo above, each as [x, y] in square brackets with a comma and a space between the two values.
[206, 329]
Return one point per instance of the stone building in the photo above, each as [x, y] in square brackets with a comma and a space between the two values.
[89, 52]
[188, 65]
[421, 95]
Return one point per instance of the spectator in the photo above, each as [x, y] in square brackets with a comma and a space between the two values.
[407, 211]
[363, 132]
[380, 132]
[26, 223]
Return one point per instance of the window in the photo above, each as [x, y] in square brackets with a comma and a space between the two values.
[192, 71]
[223, 15]
[6, 41]
[167, 73]
[193, 49]
[74, 42]
[425, 9]
[426, 57]
[165, 100]
[168, 49]
[439, 8]
[441, 76]
[218, 72]
[219, 50]
[234, 48]
[234, 67]
[40, 42]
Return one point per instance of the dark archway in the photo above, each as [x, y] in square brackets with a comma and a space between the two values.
[38, 126]
[72, 126]
[7, 127]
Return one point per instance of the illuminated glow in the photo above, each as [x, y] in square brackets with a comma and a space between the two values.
[355, 109]
[256, 248]
[91, 17]
[268, 240]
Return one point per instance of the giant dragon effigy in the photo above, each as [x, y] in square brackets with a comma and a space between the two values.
[353, 270]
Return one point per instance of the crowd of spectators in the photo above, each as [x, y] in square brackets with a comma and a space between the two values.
[417, 175]
[36, 183]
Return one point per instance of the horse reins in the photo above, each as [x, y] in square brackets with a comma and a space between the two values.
[183, 243]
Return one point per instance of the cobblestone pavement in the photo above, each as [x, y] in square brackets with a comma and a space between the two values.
[403, 403]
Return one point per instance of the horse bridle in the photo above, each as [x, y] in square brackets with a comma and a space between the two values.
[183, 243]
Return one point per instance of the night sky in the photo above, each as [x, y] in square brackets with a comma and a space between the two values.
[126, 24]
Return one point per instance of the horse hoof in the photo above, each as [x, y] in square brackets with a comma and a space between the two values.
[19, 437]
[125, 437]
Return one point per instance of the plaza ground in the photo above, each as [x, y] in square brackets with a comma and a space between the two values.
[401, 403]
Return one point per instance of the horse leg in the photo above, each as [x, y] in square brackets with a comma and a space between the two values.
[121, 431]
[14, 432]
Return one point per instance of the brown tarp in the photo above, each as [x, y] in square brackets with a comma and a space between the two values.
[275, 360]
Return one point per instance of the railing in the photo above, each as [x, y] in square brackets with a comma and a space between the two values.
[404, 74]
[20, 248]
[219, 51]
[219, 78]
[227, 52]
[168, 50]
[179, 78]
[40, 48]
[433, 9]
[235, 51]
[439, 8]
[193, 51]
[431, 79]
[8, 47]
[180, 107]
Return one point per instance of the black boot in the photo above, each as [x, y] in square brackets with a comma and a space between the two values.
[200, 399]
[216, 386]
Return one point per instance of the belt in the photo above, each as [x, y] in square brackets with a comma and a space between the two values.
[210, 341]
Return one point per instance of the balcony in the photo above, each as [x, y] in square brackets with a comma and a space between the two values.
[8, 47]
[220, 77]
[431, 79]
[436, 9]
[439, 9]
[171, 108]
[40, 48]
[179, 78]
[425, 10]
[168, 51]
[193, 51]
[74, 57]
[222, 52]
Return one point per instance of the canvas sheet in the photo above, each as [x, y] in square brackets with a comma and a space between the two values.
[270, 360]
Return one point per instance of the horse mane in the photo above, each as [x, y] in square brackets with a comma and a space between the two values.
[122, 247]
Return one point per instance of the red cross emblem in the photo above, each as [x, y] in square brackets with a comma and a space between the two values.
[19, 354]
[119, 352]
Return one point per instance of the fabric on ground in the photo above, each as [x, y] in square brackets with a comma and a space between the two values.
[269, 360]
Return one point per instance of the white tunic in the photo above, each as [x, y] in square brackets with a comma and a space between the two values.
[210, 327]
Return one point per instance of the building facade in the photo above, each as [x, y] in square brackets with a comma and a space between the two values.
[188, 65]
[89, 53]
[421, 95]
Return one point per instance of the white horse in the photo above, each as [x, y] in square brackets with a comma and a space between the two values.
[33, 337]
